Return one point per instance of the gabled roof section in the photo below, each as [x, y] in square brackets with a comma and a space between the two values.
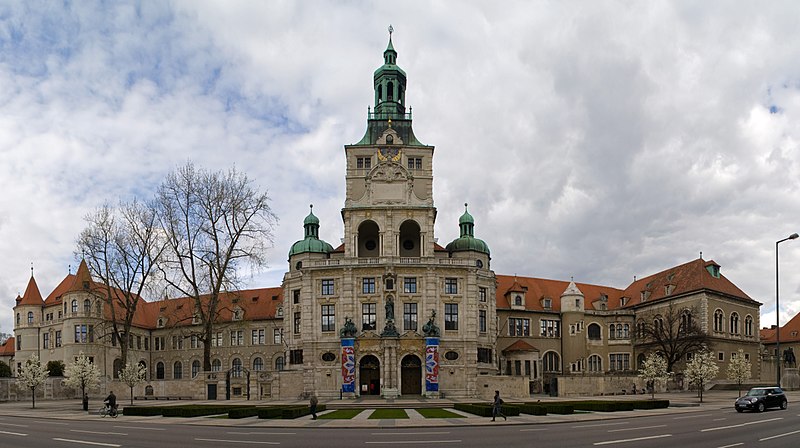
[693, 276]
[520, 346]
[32, 296]
[515, 287]
[55, 296]
[8, 348]
[539, 288]
[790, 332]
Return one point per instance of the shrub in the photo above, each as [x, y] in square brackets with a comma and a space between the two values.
[485, 410]
[198, 410]
[142, 411]
[55, 368]
[533, 409]
[651, 404]
[558, 408]
[243, 412]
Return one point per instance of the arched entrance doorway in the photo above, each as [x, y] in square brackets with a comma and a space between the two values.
[411, 375]
[369, 373]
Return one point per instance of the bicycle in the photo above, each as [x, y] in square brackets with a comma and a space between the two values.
[106, 410]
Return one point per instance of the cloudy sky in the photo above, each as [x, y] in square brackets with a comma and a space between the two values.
[595, 140]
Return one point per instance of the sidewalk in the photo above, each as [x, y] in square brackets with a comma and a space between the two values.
[680, 402]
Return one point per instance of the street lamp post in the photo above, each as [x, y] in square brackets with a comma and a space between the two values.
[778, 308]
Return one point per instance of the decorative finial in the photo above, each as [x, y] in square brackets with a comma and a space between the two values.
[391, 30]
[69, 269]
[572, 278]
[390, 123]
[465, 206]
[701, 254]
[311, 206]
[31, 269]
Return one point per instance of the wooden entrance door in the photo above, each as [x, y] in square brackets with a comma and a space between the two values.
[369, 373]
[411, 375]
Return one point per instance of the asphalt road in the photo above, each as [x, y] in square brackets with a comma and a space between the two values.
[715, 428]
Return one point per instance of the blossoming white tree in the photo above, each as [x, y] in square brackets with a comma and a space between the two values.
[739, 370]
[654, 369]
[132, 375]
[701, 369]
[32, 374]
[82, 374]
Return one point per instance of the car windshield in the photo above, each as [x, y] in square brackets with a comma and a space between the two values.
[757, 392]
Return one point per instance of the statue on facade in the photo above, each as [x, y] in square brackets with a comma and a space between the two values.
[389, 309]
[349, 329]
[430, 329]
[788, 358]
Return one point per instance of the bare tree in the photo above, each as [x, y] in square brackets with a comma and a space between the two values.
[671, 331]
[121, 247]
[216, 223]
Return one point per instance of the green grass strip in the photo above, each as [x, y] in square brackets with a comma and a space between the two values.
[438, 413]
[340, 414]
[381, 414]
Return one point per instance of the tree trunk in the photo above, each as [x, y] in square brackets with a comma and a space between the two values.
[33, 398]
[131, 395]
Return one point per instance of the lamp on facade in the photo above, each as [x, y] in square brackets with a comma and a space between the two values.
[778, 308]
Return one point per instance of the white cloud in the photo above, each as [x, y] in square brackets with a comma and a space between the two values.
[600, 140]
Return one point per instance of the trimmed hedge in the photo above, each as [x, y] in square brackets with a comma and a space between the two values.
[243, 412]
[485, 410]
[558, 408]
[198, 410]
[651, 404]
[287, 412]
[142, 411]
[533, 409]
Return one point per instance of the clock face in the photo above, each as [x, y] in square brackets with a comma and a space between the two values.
[392, 154]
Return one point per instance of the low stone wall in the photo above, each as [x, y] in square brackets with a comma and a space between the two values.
[510, 387]
[586, 385]
[52, 389]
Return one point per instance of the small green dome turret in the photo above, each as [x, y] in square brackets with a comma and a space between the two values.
[467, 240]
[311, 242]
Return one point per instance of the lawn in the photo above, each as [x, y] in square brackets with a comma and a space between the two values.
[438, 413]
[388, 414]
[340, 414]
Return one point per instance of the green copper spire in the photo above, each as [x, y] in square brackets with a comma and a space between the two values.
[311, 242]
[390, 84]
[467, 240]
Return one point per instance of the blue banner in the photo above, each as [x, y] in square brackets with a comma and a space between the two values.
[431, 364]
[348, 365]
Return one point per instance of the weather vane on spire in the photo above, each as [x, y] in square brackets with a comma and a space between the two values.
[391, 30]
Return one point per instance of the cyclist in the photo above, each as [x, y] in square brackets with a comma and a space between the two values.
[111, 402]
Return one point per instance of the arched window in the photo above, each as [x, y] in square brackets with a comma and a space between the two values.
[87, 307]
[74, 306]
[144, 365]
[734, 323]
[279, 363]
[368, 238]
[686, 321]
[593, 331]
[159, 370]
[195, 368]
[748, 325]
[237, 367]
[216, 365]
[719, 320]
[17, 318]
[390, 92]
[626, 331]
[98, 308]
[258, 364]
[117, 367]
[177, 370]
[612, 331]
[619, 331]
[640, 361]
[595, 363]
[30, 317]
[551, 362]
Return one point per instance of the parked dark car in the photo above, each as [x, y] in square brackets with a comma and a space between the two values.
[760, 398]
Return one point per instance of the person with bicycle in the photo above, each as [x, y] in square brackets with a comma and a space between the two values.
[111, 402]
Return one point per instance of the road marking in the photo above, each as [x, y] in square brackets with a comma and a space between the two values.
[102, 433]
[719, 419]
[635, 429]
[238, 441]
[13, 433]
[140, 427]
[530, 430]
[730, 446]
[399, 442]
[691, 416]
[86, 442]
[408, 433]
[14, 424]
[42, 422]
[779, 435]
[601, 424]
[261, 433]
[609, 442]
[740, 425]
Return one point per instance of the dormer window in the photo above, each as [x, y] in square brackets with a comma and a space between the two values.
[280, 312]
[547, 304]
[713, 269]
[668, 289]
[518, 300]
[237, 314]
[160, 322]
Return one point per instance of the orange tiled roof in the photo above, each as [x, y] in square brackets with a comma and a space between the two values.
[8, 348]
[55, 296]
[790, 332]
[688, 277]
[520, 346]
[32, 295]
[537, 289]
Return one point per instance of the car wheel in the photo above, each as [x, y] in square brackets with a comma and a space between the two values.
[784, 404]
[760, 407]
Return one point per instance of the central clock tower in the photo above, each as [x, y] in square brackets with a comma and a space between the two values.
[389, 208]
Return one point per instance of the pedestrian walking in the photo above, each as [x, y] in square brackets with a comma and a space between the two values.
[313, 405]
[497, 405]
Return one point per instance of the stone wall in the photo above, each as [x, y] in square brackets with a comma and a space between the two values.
[573, 386]
[510, 387]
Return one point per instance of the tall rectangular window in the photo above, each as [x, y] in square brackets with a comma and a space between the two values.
[485, 355]
[58, 338]
[46, 340]
[368, 316]
[519, 327]
[482, 321]
[619, 361]
[193, 341]
[237, 337]
[258, 337]
[550, 328]
[368, 285]
[277, 336]
[414, 163]
[80, 333]
[481, 294]
[327, 287]
[410, 285]
[296, 296]
[297, 322]
[296, 356]
[451, 285]
[451, 316]
[409, 316]
[363, 163]
[328, 318]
